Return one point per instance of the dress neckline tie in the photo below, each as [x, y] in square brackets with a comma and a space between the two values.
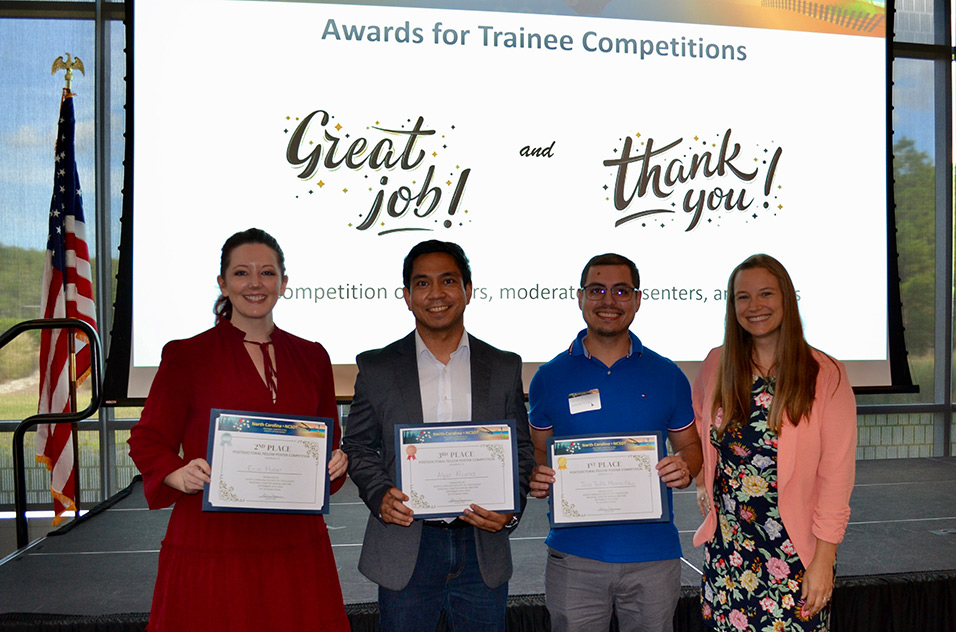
[268, 368]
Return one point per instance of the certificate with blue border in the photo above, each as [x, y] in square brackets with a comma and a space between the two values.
[445, 467]
[607, 479]
[268, 463]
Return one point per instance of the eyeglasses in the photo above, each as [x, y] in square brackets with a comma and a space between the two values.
[621, 293]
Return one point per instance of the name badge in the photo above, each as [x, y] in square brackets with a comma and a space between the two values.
[583, 402]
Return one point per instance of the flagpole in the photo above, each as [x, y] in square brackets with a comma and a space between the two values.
[71, 342]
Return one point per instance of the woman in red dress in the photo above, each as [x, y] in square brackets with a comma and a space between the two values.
[230, 570]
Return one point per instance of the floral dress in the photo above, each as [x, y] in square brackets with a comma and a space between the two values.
[752, 574]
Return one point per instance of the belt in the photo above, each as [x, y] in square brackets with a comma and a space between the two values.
[457, 523]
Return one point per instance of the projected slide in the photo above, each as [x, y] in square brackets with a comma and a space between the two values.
[535, 140]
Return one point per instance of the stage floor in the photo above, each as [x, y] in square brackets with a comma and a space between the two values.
[903, 521]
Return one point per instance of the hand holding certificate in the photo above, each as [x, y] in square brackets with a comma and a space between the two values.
[268, 463]
[444, 468]
[607, 479]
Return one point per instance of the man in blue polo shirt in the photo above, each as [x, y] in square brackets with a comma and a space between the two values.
[608, 382]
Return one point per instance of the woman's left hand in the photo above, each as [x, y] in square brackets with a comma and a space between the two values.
[338, 464]
[703, 501]
[817, 587]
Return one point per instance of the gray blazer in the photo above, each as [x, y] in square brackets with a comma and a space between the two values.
[387, 393]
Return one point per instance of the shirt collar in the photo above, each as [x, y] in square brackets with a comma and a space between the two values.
[422, 349]
[578, 348]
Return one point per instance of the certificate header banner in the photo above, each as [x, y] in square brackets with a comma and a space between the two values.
[607, 479]
[686, 135]
[445, 468]
[618, 444]
[443, 435]
[260, 425]
[268, 463]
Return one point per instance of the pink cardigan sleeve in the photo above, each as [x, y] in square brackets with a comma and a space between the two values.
[836, 469]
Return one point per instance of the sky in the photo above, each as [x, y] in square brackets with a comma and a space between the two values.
[30, 106]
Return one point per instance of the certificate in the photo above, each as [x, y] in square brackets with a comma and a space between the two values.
[445, 467]
[261, 462]
[604, 479]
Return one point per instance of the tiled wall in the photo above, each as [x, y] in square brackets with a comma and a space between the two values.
[894, 436]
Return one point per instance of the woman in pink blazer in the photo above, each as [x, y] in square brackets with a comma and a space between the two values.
[777, 420]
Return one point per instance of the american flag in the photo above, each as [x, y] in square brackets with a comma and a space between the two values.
[67, 293]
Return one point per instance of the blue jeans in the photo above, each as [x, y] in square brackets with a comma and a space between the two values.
[446, 578]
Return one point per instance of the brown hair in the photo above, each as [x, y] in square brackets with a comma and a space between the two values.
[223, 306]
[796, 367]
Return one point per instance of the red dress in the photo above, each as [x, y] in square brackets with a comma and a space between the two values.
[225, 570]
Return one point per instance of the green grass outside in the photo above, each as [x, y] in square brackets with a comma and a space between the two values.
[19, 406]
[19, 359]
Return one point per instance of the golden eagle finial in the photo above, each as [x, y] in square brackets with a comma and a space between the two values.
[70, 63]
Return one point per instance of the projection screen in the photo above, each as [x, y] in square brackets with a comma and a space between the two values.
[685, 134]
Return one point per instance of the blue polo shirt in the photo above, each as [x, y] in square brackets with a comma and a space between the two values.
[641, 392]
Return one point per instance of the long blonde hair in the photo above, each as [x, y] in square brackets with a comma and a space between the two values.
[796, 367]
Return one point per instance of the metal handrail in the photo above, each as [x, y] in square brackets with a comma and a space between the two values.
[19, 466]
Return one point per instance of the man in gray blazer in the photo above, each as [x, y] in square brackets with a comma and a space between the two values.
[438, 373]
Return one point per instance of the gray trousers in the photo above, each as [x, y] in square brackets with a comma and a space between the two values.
[581, 594]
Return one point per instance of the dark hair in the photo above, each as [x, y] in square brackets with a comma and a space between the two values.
[612, 259]
[223, 307]
[433, 245]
